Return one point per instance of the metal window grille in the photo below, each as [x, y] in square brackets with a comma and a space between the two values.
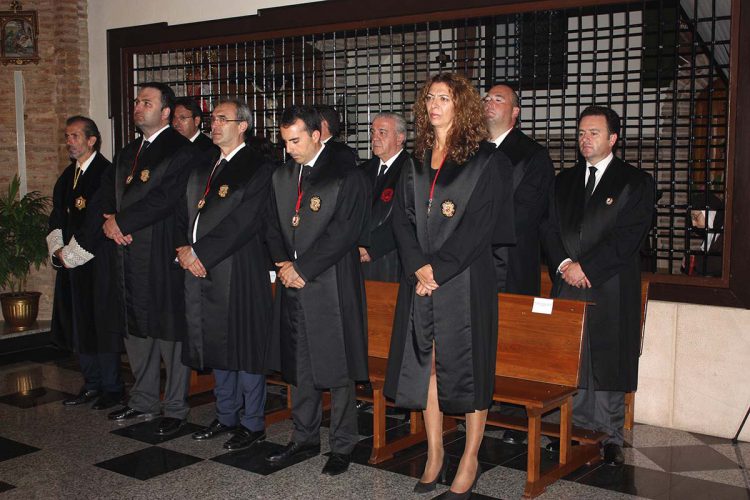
[663, 65]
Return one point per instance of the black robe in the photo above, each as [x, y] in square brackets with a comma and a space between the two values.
[384, 264]
[518, 267]
[330, 310]
[148, 284]
[204, 143]
[462, 313]
[74, 325]
[605, 236]
[229, 311]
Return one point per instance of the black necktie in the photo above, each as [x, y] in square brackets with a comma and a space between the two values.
[146, 144]
[591, 183]
[379, 180]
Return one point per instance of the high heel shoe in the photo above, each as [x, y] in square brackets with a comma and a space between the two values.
[452, 495]
[421, 487]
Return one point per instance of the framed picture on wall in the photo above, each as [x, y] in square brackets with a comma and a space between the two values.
[19, 33]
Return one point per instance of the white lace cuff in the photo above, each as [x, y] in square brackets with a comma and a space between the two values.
[54, 241]
[74, 255]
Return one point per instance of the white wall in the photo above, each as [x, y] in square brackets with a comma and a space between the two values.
[108, 14]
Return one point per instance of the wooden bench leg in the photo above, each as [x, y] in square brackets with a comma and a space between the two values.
[629, 410]
[534, 459]
[566, 429]
[378, 418]
[381, 449]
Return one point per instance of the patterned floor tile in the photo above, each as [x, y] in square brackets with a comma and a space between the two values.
[687, 458]
[146, 432]
[34, 397]
[11, 449]
[149, 462]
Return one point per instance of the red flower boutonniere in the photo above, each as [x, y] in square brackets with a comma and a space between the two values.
[387, 195]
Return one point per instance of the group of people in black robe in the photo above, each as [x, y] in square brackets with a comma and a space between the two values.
[167, 252]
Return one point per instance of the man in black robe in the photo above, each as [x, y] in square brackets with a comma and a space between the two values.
[318, 211]
[387, 136]
[518, 267]
[330, 131]
[140, 199]
[187, 121]
[73, 312]
[600, 214]
[220, 238]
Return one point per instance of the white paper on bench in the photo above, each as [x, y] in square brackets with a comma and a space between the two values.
[542, 306]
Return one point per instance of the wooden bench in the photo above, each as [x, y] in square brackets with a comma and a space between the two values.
[630, 396]
[537, 367]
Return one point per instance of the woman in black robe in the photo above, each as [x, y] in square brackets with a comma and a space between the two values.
[451, 207]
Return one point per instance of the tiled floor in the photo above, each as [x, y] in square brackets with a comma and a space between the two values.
[49, 451]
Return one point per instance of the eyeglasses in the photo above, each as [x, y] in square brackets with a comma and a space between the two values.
[222, 120]
[183, 118]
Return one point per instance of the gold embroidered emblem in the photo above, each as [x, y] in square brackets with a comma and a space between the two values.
[80, 203]
[145, 175]
[295, 220]
[223, 190]
[448, 208]
[315, 203]
[610, 201]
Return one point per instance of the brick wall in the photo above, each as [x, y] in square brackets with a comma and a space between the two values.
[56, 88]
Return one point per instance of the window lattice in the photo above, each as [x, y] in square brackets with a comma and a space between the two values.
[662, 65]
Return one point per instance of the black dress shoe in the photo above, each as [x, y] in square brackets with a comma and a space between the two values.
[514, 437]
[169, 425]
[83, 397]
[292, 450]
[213, 430]
[125, 413]
[244, 438]
[337, 463]
[106, 400]
[613, 455]
[362, 405]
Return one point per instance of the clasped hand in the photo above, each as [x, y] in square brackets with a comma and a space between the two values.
[289, 276]
[573, 275]
[112, 231]
[426, 283]
[190, 262]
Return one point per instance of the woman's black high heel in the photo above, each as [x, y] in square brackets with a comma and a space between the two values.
[421, 487]
[452, 495]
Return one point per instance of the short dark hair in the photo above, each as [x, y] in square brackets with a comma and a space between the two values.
[613, 119]
[89, 128]
[331, 116]
[191, 106]
[167, 95]
[309, 116]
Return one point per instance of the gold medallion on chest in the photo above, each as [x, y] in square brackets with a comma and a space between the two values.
[145, 175]
[80, 203]
[315, 203]
[448, 208]
[223, 190]
[610, 201]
